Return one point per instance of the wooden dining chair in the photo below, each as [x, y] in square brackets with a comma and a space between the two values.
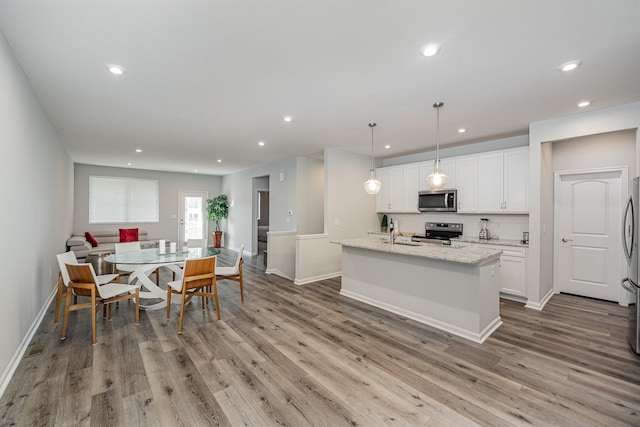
[83, 282]
[233, 273]
[63, 279]
[199, 279]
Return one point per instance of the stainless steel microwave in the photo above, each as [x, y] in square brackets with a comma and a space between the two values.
[438, 201]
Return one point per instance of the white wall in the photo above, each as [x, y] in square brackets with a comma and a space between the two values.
[348, 212]
[596, 151]
[240, 227]
[170, 185]
[346, 202]
[310, 195]
[37, 193]
[619, 118]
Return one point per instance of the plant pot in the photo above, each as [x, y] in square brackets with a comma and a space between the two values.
[217, 239]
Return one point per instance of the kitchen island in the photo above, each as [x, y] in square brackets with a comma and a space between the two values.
[455, 289]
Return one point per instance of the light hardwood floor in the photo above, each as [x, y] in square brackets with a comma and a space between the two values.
[305, 356]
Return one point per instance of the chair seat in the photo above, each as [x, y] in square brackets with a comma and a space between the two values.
[125, 268]
[106, 278]
[226, 271]
[176, 285]
[110, 290]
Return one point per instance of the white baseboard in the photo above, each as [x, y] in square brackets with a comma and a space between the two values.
[277, 273]
[540, 305]
[24, 344]
[317, 278]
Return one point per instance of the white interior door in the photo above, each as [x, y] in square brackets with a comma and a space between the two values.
[588, 243]
[192, 222]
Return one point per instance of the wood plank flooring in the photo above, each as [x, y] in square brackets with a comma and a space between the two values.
[305, 356]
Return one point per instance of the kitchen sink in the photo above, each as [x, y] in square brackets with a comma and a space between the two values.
[408, 243]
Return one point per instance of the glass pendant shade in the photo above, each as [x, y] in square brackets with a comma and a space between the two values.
[372, 185]
[437, 180]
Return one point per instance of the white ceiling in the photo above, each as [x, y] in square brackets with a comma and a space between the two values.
[207, 80]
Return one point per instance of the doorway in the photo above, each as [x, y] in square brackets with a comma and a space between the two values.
[587, 237]
[192, 222]
[261, 219]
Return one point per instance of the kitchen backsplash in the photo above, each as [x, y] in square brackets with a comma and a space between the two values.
[502, 226]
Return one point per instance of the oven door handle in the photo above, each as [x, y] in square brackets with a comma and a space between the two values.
[628, 287]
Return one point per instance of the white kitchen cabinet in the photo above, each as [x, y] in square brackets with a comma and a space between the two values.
[447, 166]
[503, 181]
[389, 198]
[516, 180]
[466, 173]
[490, 182]
[410, 188]
[513, 269]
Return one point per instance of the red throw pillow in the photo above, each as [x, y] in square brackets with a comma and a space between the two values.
[90, 239]
[128, 235]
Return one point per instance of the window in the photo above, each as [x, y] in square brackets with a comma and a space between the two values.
[120, 200]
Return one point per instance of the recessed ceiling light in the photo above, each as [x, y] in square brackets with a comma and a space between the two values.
[430, 50]
[219, 160]
[195, 170]
[584, 103]
[115, 69]
[462, 130]
[129, 164]
[138, 150]
[387, 147]
[571, 65]
[261, 143]
[287, 119]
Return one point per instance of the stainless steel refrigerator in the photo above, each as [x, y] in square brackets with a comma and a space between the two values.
[630, 232]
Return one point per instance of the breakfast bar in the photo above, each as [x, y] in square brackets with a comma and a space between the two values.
[455, 289]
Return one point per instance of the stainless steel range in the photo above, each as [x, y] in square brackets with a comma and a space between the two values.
[439, 232]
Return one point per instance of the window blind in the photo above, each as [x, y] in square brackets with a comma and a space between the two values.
[121, 200]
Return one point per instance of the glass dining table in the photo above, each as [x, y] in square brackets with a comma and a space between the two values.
[148, 260]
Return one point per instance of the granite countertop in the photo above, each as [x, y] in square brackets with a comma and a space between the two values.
[503, 242]
[425, 250]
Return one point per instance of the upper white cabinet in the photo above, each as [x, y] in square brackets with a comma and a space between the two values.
[467, 183]
[516, 180]
[390, 196]
[502, 181]
[493, 182]
[447, 166]
[410, 188]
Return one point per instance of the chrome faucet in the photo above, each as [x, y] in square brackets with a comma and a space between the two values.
[392, 236]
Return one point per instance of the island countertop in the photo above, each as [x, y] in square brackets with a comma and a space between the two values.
[462, 255]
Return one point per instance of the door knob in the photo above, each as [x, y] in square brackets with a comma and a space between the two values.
[566, 240]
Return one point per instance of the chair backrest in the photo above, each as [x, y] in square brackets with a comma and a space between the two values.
[199, 272]
[128, 247]
[63, 260]
[236, 266]
[85, 275]
[196, 243]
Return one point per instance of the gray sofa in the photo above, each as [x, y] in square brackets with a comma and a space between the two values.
[106, 242]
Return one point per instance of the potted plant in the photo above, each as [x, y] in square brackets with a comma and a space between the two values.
[217, 209]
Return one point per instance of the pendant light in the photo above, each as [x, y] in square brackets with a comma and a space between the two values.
[372, 185]
[436, 179]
